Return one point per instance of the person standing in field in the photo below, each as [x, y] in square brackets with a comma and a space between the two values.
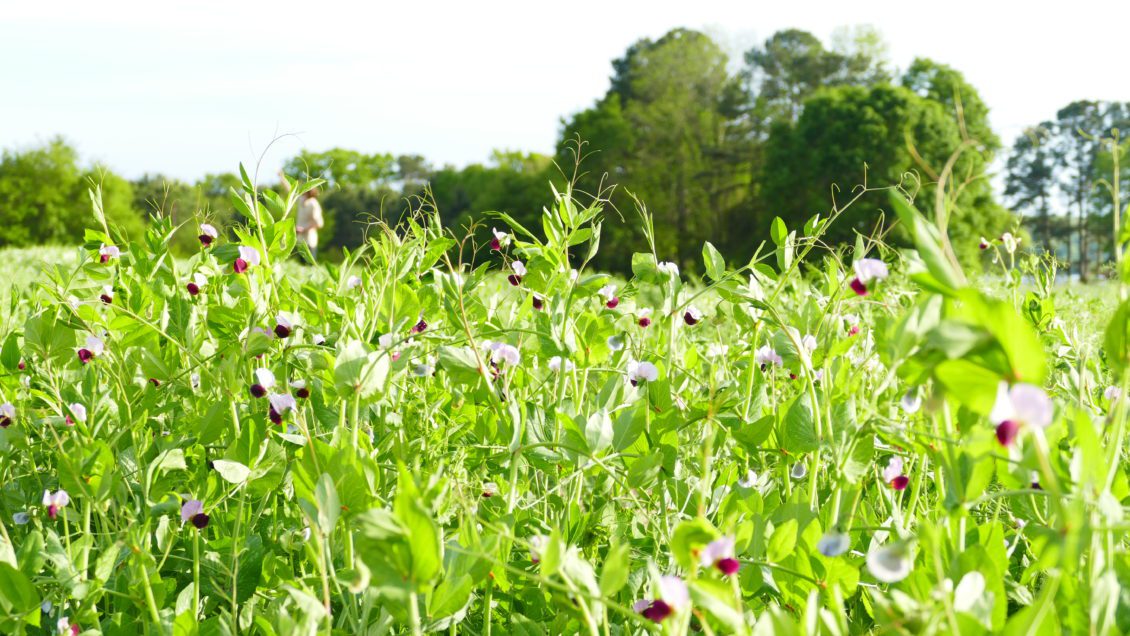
[308, 217]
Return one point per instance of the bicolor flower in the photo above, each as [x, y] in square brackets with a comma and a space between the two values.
[890, 563]
[893, 474]
[644, 316]
[353, 282]
[1018, 406]
[55, 501]
[984, 244]
[642, 372]
[499, 240]
[751, 480]
[555, 363]
[420, 327]
[280, 404]
[833, 544]
[537, 302]
[7, 414]
[608, 293]
[283, 326]
[717, 350]
[65, 626]
[490, 489]
[208, 234]
[720, 554]
[502, 352]
[196, 284]
[519, 271]
[108, 252]
[867, 270]
[107, 294]
[673, 598]
[537, 546]
[264, 380]
[668, 268]
[248, 256]
[78, 412]
[94, 348]
[318, 339]
[193, 510]
[300, 389]
[766, 357]
[692, 316]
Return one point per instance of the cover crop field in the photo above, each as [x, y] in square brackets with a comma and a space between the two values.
[439, 435]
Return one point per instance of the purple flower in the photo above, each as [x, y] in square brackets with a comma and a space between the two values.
[644, 316]
[248, 256]
[1018, 406]
[55, 501]
[499, 240]
[107, 295]
[766, 357]
[283, 327]
[196, 284]
[190, 509]
[537, 302]
[264, 380]
[108, 252]
[94, 348]
[420, 327]
[519, 270]
[720, 554]
[207, 234]
[867, 270]
[7, 414]
[642, 372]
[673, 597]
[893, 475]
[608, 292]
[692, 316]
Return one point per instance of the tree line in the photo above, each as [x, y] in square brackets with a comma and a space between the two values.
[714, 147]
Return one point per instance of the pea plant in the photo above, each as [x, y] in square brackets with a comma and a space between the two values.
[442, 435]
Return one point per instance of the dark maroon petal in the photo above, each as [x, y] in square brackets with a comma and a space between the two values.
[205, 240]
[282, 331]
[658, 611]
[792, 376]
[274, 416]
[21, 366]
[154, 382]
[84, 355]
[644, 322]
[635, 383]
[612, 303]
[52, 511]
[420, 327]
[239, 266]
[193, 288]
[487, 494]
[302, 393]
[538, 303]
[495, 244]
[107, 298]
[200, 520]
[900, 482]
[859, 288]
[5, 421]
[257, 391]
[690, 319]
[728, 566]
[983, 245]
[104, 258]
[1007, 432]
[514, 279]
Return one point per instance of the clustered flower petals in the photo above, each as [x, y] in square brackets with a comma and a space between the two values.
[673, 598]
[767, 357]
[1018, 406]
[519, 270]
[264, 380]
[556, 362]
[193, 510]
[283, 326]
[55, 501]
[608, 292]
[499, 240]
[196, 284]
[248, 256]
[78, 411]
[893, 474]
[7, 414]
[642, 372]
[208, 234]
[720, 554]
[867, 270]
[692, 316]
[644, 316]
[502, 352]
[94, 348]
[108, 252]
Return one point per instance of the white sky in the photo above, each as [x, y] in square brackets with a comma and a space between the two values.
[185, 88]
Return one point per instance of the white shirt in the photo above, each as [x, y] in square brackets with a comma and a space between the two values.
[309, 217]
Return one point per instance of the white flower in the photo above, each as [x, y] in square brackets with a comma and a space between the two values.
[208, 230]
[63, 625]
[297, 384]
[282, 402]
[717, 350]
[195, 380]
[518, 267]
[283, 321]
[319, 339]
[505, 353]
[751, 480]
[669, 268]
[107, 252]
[79, 412]
[808, 343]
[608, 292]
[424, 369]
[74, 302]
[94, 345]
[911, 402]
[1022, 403]
[1010, 242]
[798, 471]
[766, 356]
[615, 343]
[386, 340]
[537, 546]
[833, 544]
[869, 269]
[353, 282]
[200, 279]
[673, 591]
[7, 410]
[250, 255]
[264, 378]
[108, 291]
[644, 312]
[969, 591]
[502, 237]
[555, 363]
[58, 499]
[893, 469]
[642, 372]
[889, 563]
[1112, 393]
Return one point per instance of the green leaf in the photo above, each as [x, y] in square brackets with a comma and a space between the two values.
[928, 241]
[798, 429]
[329, 506]
[460, 363]
[689, 538]
[1117, 341]
[617, 566]
[712, 259]
[232, 472]
[425, 540]
[358, 370]
[783, 541]
[17, 594]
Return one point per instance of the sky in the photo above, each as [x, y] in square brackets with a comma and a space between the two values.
[185, 89]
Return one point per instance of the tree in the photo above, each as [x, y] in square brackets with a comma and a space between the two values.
[1030, 182]
[43, 196]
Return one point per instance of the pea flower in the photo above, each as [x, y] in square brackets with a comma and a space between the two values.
[867, 270]
[537, 546]
[1010, 242]
[984, 244]
[1018, 406]
[196, 284]
[503, 352]
[717, 350]
[519, 271]
[21, 518]
[615, 343]
[893, 474]
[353, 282]
[890, 563]
[799, 471]
[248, 256]
[318, 339]
[280, 404]
[808, 343]
[420, 327]
[673, 598]
[833, 544]
[193, 510]
[300, 390]
[94, 348]
[556, 362]
[692, 316]
[911, 402]
[766, 357]
[644, 316]
[608, 292]
[751, 480]
[264, 380]
[642, 372]
[78, 411]
[1112, 393]
[720, 554]
[537, 302]
[107, 295]
[64, 626]
[499, 241]
[283, 326]
[489, 490]
[107, 252]
[669, 268]
[55, 501]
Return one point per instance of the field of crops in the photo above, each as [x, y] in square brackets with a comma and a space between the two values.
[442, 435]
